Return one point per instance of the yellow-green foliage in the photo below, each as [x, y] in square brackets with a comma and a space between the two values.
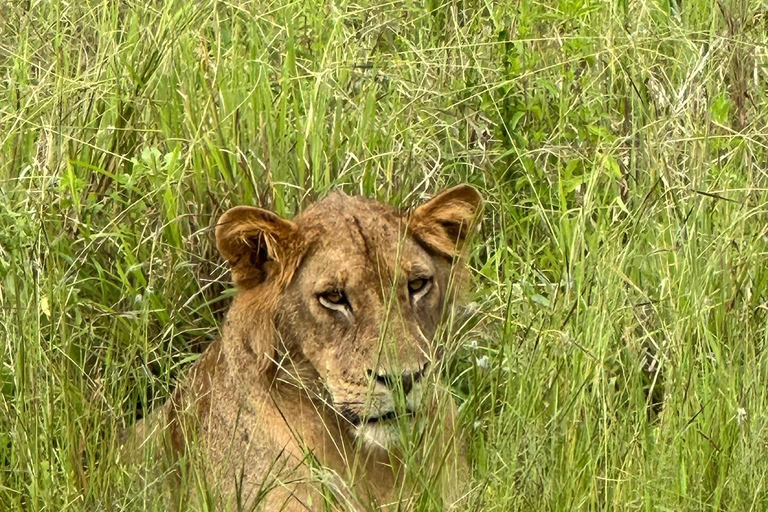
[613, 354]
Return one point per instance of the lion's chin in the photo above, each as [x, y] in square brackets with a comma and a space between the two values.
[384, 435]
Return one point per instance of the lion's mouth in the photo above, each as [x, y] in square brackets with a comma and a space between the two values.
[391, 415]
[357, 420]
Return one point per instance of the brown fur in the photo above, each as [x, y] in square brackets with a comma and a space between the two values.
[292, 381]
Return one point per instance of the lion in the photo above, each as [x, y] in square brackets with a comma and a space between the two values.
[321, 392]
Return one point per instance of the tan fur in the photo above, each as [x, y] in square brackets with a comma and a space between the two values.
[284, 408]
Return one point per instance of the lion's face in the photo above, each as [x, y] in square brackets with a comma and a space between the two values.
[362, 292]
[363, 310]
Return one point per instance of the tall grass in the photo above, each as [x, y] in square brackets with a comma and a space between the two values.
[615, 357]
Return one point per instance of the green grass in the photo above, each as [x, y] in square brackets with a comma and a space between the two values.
[616, 359]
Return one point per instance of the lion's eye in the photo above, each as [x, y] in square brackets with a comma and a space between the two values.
[333, 299]
[419, 285]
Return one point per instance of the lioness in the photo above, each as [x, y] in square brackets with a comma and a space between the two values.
[309, 396]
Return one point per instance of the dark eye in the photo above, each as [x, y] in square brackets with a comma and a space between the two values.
[420, 284]
[333, 299]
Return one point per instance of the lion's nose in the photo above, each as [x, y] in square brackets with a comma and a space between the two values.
[406, 379]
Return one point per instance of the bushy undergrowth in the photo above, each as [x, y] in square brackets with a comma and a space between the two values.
[619, 311]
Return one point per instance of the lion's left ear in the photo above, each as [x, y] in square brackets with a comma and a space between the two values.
[444, 222]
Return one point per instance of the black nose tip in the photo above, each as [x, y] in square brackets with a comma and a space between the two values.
[407, 379]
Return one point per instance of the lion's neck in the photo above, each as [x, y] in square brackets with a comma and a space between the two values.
[319, 430]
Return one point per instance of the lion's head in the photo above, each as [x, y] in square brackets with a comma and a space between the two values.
[354, 291]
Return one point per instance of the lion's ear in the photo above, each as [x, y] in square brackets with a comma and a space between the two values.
[444, 222]
[257, 244]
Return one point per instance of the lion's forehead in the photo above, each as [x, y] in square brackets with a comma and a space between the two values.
[339, 209]
[356, 232]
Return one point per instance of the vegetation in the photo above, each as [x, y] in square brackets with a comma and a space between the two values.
[614, 358]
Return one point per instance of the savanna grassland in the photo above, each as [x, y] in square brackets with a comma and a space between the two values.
[613, 350]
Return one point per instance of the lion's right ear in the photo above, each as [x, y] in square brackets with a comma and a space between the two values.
[258, 244]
